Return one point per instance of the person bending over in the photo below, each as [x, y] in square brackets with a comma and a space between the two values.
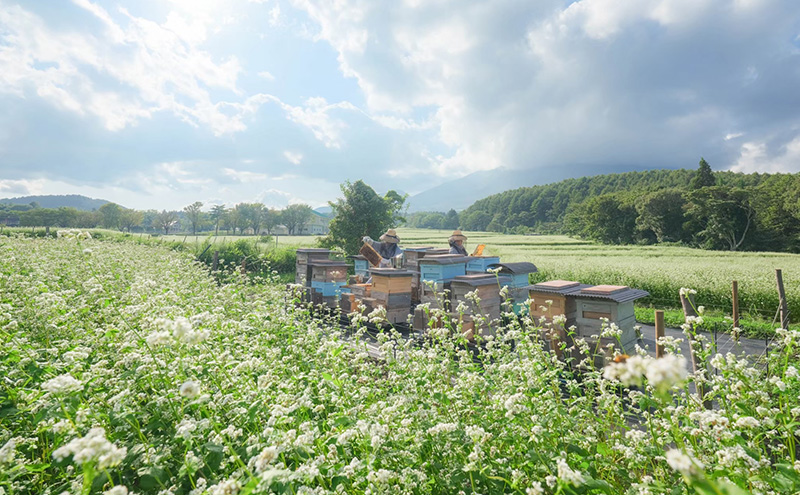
[388, 247]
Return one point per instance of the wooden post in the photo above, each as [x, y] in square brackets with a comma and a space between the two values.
[782, 295]
[659, 332]
[244, 266]
[687, 302]
[215, 262]
[735, 301]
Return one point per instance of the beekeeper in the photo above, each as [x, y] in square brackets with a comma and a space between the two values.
[388, 248]
[457, 243]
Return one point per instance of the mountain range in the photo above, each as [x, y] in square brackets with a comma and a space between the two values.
[57, 201]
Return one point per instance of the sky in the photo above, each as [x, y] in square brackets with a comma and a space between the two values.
[156, 104]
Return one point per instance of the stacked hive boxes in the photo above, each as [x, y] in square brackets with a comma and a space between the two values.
[327, 279]
[304, 257]
[391, 288]
[519, 283]
[436, 272]
[553, 298]
[612, 302]
[412, 257]
[361, 267]
[484, 310]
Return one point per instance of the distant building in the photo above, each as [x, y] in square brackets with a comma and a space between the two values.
[318, 225]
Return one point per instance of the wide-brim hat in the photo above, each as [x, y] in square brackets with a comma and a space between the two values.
[390, 236]
[457, 236]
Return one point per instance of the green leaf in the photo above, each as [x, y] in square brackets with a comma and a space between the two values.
[36, 468]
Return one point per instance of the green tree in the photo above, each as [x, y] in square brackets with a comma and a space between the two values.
[703, 177]
[194, 214]
[272, 218]
[110, 215]
[451, 220]
[361, 212]
[253, 214]
[608, 218]
[130, 219]
[217, 214]
[294, 217]
[726, 216]
[165, 220]
[662, 213]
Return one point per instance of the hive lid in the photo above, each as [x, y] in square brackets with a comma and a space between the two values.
[480, 279]
[444, 259]
[328, 263]
[515, 268]
[357, 257]
[604, 290]
[557, 284]
[313, 250]
[418, 249]
[389, 272]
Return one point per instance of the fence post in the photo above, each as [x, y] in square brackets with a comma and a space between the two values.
[782, 295]
[244, 266]
[659, 332]
[215, 262]
[735, 301]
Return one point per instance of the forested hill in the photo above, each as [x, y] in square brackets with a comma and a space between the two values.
[57, 201]
[653, 206]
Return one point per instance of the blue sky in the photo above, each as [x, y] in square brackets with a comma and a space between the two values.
[157, 104]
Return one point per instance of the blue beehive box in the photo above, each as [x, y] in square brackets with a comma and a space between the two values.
[361, 266]
[442, 268]
[328, 289]
[517, 271]
[479, 264]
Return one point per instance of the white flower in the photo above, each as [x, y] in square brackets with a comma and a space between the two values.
[683, 463]
[117, 490]
[686, 292]
[535, 489]
[442, 428]
[93, 447]
[567, 474]
[665, 372]
[265, 458]
[746, 422]
[62, 384]
[190, 389]
[628, 372]
[7, 451]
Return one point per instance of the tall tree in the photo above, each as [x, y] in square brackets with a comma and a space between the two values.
[253, 214]
[217, 213]
[130, 218]
[662, 213]
[272, 218]
[726, 214]
[165, 220]
[294, 217]
[111, 214]
[451, 219]
[194, 214]
[360, 212]
[703, 177]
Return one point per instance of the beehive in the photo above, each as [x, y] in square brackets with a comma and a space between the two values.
[518, 285]
[304, 257]
[391, 288]
[412, 257]
[327, 279]
[361, 266]
[487, 288]
[442, 267]
[614, 302]
[550, 299]
[479, 264]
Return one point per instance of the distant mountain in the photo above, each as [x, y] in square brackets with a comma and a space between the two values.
[57, 201]
[324, 210]
[460, 193]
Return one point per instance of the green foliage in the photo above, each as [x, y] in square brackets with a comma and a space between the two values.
[704, 177]
[361, 212]
[295, 217]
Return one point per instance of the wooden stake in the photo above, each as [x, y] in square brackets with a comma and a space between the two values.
[782, 296]
[244, 266]
[659, 332]
[735, 301]
[215, 262]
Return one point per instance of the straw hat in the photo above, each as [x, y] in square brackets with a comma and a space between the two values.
[457, 236]
[390, 236]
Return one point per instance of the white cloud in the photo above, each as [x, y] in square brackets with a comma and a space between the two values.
[9, 187]
[294, 157]
[756, 157]
[244, 175]
[266, 75]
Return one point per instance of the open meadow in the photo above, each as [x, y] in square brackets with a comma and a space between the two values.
[127, 368]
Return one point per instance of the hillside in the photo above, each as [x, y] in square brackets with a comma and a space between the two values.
[57, 201]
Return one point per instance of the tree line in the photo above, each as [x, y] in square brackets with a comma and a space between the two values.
[254, 217]
[701, 208]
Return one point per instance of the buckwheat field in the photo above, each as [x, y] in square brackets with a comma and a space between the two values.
[130, 369]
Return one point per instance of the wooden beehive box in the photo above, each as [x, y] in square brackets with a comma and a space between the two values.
[361, 266]
[304, 256]
[479, 264]
[557, 292]
[412, 257]
[327, 278]
[442, 267]
[486, 285]
[614, 302]
[391, 288]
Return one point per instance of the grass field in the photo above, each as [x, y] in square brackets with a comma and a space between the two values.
[281, 240]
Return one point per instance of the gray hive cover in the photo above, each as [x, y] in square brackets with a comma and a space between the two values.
[390, 272]
[480, 279]
[618, 294]
[515, 268]
[313, 250]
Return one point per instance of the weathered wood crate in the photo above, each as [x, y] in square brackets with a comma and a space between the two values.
[518, 274]
[304, 256]
[391, 288]
[328, 277]
[412, 256]
[613, 302]
[487, 288]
